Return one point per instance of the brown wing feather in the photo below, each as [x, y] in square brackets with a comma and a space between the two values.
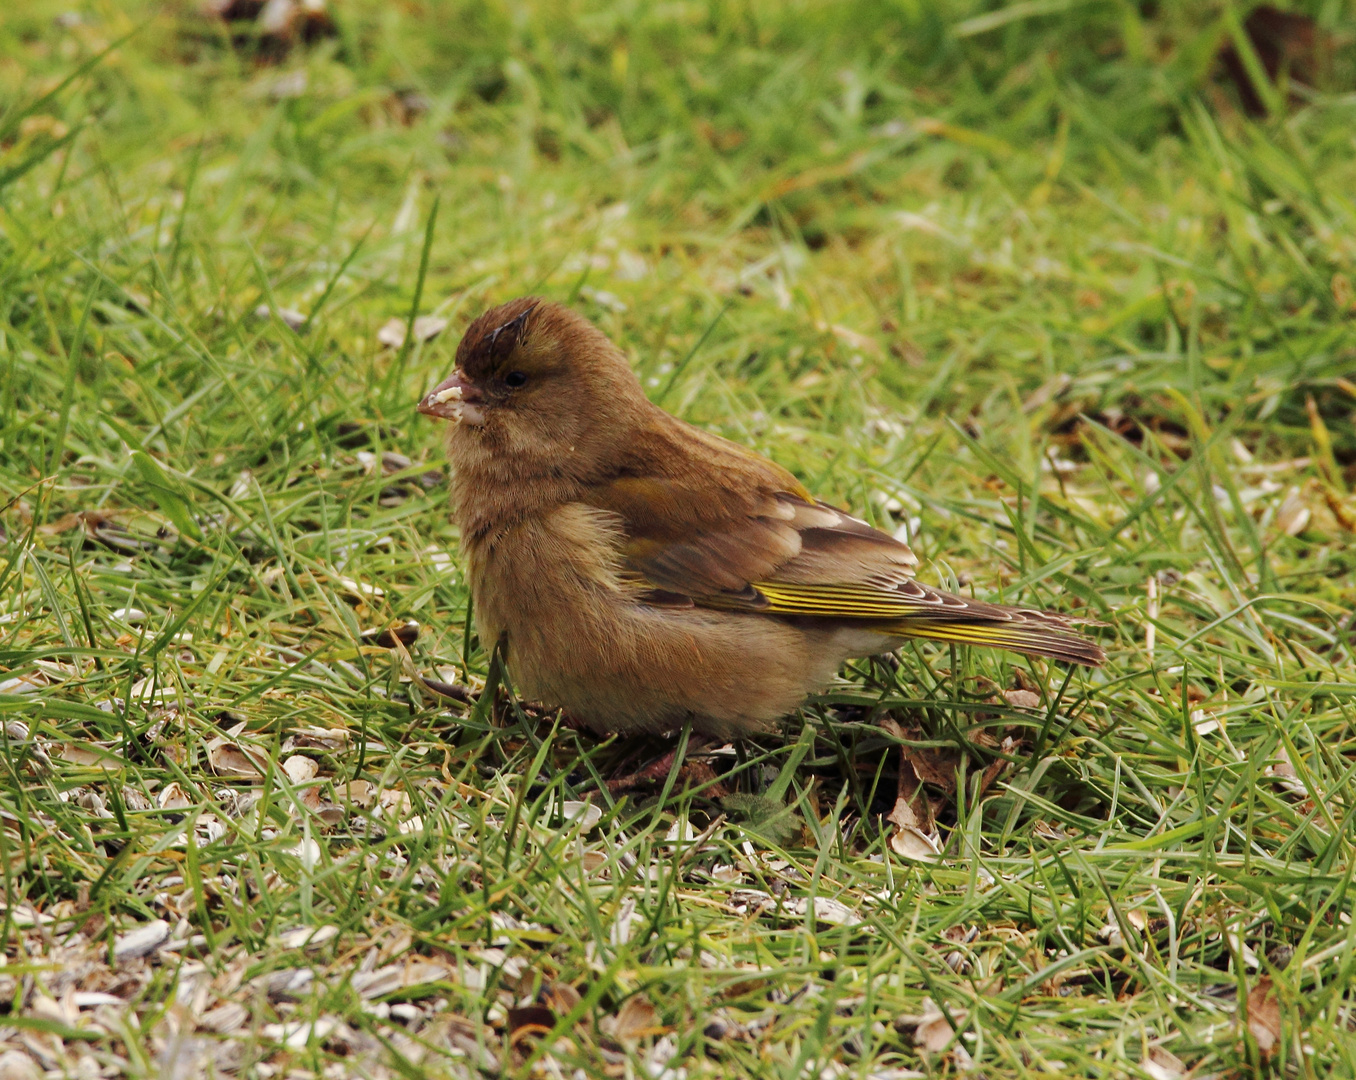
[731, 530]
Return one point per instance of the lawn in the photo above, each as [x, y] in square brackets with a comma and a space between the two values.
[1062, 292]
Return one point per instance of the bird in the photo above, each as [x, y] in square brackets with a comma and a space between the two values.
[641, 574]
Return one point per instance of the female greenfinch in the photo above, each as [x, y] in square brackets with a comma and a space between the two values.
[641, 573]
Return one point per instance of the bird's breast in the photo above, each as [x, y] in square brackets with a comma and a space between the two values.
[538, 577]
[579, 635]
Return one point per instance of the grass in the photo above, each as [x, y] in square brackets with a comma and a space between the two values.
[1024, 283]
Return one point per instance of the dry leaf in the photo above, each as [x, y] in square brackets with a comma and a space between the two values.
[636, 1017]
[1264, 1016]
[934, 1032]
[936, 767]
[172, 797]
[229, 758]
[910, 841]
[1023, 699]
[1283, 769]
[917, 765]
[86, 755]
[1162, 1064]
[592, 861]
[903, 815]
[563, 998]
[89, 520]
[995, 768]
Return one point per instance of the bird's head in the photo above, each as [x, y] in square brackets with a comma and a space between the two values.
[537, 388]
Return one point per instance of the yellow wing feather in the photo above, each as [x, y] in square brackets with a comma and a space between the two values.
[934, 615]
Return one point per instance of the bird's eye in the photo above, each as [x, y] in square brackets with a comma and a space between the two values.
[515, 379]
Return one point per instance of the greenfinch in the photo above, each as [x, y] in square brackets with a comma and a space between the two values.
[641, 573]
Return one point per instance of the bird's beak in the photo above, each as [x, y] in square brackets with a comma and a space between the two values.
[454, 399]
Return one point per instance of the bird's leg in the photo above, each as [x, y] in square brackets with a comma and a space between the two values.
[660, 768]
[701, 774]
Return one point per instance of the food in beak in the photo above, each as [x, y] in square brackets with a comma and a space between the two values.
[453, 399]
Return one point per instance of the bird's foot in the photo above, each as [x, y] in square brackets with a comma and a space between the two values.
[696, 773]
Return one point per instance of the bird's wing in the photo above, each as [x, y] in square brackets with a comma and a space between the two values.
[749, 537]
[739, 548]
[773, 551]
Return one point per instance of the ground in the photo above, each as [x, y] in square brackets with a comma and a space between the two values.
[1064, 293]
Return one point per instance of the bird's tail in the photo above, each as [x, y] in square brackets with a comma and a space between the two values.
[1022, 630]
[1063, 645]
